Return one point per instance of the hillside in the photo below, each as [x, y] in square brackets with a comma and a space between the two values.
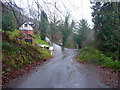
[17, 53]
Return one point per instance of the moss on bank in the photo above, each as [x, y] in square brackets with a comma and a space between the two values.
[17, 53]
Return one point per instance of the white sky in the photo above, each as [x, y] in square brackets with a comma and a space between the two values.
[77, 9]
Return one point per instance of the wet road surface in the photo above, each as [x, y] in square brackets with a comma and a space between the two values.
[63, 71]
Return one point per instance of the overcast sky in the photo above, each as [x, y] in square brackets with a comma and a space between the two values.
[77, 9]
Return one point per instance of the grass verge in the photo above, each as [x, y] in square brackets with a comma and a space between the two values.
[92, 55]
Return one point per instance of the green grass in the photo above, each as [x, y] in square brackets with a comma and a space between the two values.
[39, 41]
[45, 54]
[10, 48]
[92, 55]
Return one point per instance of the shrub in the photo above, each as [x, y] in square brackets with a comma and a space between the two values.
[90, 54]
[14, 34]
[10, 47]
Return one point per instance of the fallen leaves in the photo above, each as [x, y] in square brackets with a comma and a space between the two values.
[6, 77]
[109, 76]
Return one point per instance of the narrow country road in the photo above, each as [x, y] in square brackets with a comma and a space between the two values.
[63, 71]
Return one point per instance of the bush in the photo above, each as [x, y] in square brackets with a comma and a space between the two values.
[14, 34]
[10, 48]
[92, 55]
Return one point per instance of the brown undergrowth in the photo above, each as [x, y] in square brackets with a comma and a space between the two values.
[109, 76]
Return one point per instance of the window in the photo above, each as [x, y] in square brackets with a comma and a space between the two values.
[25, 25]
[28, 40]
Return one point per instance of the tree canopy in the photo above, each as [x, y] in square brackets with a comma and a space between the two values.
[107, 27]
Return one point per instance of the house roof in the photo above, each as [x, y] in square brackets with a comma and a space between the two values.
[26, 26]
[28, 35]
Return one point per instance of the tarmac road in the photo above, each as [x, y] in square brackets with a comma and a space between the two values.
[63, 71]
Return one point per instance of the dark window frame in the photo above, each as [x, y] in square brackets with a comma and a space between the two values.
[28, 40]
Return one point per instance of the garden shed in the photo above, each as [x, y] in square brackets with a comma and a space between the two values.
[28, 38]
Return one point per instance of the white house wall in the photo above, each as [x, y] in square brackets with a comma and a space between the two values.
[23, 27]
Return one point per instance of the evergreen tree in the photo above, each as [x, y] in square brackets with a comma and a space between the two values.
[43, 24]
[66, 30]
[106, 26]
[82, 32]
[8, 22]
[53, 28]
